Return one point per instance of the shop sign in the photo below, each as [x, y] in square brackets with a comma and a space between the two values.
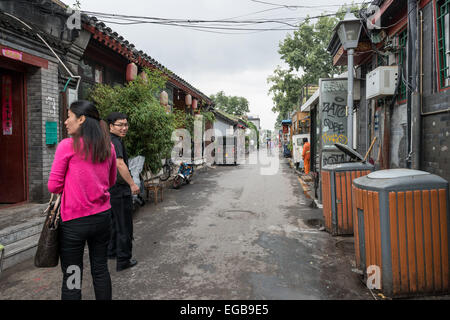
[12, 54]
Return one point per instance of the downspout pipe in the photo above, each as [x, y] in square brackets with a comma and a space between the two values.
[72, 76]
[417, 99]
[411, 77]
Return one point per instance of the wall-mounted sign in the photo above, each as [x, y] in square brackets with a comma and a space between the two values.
[12, 54]
[51, 132]
[7, 105]
[333, 119]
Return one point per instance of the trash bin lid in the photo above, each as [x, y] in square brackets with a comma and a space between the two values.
[350, 152]
[395, 173]
[400, 180]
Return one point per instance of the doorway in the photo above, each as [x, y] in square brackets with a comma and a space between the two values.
[13, 177]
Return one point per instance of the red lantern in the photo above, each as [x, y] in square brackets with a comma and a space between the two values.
[131, 72]
[194, 104]
[164, 98]
[143, 76]
[188, 100]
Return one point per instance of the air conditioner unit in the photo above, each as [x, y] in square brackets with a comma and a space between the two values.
[381, 82]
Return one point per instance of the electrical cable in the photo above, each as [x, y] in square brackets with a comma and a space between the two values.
[50, 48]
[222, 24]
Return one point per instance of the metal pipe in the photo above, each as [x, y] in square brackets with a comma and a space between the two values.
[54, 53]
[411, 74]
[350, 53]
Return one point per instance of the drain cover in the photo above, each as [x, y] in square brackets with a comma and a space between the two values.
[238, 214]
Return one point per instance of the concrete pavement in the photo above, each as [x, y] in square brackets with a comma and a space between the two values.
[232, 234]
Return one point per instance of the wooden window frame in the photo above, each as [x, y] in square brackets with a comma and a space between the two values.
[442, 9]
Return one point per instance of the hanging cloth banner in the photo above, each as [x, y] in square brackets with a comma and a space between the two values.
[7, 105]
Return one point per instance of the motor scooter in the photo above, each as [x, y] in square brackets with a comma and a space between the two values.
[184, 174]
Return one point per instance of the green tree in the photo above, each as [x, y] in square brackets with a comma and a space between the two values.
[234, 105]
[305, 53]
[151, 128]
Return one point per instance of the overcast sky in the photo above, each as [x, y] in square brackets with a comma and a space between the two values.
[237, 64]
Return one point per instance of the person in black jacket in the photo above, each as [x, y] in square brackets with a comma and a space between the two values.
[120, 245]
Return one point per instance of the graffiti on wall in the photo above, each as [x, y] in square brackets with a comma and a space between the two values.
[333, 117]
[333, 158]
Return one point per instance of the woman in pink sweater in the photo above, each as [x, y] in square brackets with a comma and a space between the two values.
[83, 170]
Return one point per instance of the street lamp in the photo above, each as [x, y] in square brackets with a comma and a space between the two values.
[348, 31]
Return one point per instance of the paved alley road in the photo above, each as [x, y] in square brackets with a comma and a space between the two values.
[232, 234]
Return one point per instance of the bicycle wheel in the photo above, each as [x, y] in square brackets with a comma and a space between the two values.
[166, 173]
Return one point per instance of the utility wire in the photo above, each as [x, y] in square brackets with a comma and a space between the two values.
[239, 25]
[302, 6]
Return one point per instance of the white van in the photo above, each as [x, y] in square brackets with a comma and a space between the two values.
[297, 149]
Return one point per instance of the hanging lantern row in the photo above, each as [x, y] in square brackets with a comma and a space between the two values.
[131, 75]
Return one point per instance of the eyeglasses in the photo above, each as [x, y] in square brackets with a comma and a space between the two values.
[121, 125]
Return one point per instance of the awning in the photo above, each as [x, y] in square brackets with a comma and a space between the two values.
[312, 100]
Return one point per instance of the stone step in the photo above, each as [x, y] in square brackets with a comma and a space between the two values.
[20, 251]
[21, 231]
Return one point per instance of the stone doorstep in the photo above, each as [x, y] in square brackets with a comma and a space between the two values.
[21, 214]
[21, 231]
[20, 251]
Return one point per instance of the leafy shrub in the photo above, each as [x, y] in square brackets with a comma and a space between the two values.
[151, 127]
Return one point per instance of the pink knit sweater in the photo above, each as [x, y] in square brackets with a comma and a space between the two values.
[84, 185]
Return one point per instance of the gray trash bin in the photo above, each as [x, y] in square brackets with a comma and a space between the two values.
[337, 191]
[402, 230]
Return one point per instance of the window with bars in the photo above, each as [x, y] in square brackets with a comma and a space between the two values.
[443, 38]
[402, 39]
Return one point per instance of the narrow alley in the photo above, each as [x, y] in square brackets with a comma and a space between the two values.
[231, 234]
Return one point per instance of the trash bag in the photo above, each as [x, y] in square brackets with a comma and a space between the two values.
[136, 165]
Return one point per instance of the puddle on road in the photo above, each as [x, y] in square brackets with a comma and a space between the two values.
[238, 214]
[314, 223]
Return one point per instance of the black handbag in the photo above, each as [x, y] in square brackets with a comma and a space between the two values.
[47, 254]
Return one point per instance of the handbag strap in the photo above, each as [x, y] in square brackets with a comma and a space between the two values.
[49, 205]
[56, 212]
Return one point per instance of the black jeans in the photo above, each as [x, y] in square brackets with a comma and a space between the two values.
[95, 230]
[120, 244]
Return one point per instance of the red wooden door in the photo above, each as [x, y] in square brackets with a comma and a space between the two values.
[12, 138]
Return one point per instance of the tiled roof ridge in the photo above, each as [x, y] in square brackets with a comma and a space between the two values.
[60, 7]
[231, 117]
[16, 26]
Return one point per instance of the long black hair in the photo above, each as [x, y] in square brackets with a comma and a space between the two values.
[94, 131]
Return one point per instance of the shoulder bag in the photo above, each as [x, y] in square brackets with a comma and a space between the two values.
[47, 254]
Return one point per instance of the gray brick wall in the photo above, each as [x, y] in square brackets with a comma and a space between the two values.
[42, 106]
[436, 144]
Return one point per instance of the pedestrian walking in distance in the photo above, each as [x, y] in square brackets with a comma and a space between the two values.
[306, 155]
[83, 170]
[120, 245]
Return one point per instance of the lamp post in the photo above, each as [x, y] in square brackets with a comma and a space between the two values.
[348, 31]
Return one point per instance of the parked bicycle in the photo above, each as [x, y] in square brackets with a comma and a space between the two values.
[167, 169]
